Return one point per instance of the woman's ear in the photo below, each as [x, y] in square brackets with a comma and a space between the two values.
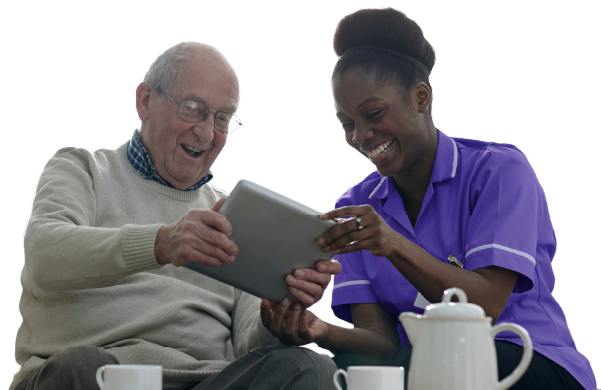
[423, 95]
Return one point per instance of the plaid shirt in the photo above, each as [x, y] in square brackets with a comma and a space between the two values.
[139, 159]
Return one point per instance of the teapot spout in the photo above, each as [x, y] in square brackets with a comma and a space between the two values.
[410, 323]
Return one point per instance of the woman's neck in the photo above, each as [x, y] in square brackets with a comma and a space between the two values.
[413, 183]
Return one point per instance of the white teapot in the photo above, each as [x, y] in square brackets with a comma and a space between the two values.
[453, 347]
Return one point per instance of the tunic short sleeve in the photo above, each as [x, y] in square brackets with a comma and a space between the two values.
[508, 209]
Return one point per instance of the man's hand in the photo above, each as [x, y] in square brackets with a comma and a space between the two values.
[308, 285]
[201, 236]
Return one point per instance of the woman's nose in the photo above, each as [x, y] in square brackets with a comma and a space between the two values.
[361, 134]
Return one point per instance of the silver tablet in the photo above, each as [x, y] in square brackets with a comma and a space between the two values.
[275, 235]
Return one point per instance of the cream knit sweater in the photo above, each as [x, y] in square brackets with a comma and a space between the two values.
[91, 278]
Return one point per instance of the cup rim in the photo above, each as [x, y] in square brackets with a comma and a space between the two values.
[374, 368]
[133, 366]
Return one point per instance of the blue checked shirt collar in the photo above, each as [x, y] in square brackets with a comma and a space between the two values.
[140, 159]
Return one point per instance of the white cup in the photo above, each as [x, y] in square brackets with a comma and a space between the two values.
[130, 377]
[372, 378]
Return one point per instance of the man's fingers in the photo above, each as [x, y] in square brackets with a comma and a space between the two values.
[308, 285]
[313, 276]
[215, 220]
[307, 292]
[218, 204]
[218, 239]
[306, 299]
[331, 267]
[200, 250]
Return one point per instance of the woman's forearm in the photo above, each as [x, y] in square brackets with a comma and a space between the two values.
[356, 340]
[488, 287]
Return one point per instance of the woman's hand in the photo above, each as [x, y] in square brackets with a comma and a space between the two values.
[368, 231]
[292, 324]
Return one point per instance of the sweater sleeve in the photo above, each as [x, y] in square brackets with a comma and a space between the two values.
[63, 248]
[248, 331]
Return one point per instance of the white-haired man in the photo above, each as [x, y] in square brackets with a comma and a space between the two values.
[100, 282]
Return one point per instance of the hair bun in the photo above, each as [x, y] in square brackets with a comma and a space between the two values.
[386, 28]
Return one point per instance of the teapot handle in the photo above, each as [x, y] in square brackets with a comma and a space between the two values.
[526, 356]
[450, 292]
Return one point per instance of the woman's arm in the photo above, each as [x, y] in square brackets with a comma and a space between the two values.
[375, 333]
[489, 287]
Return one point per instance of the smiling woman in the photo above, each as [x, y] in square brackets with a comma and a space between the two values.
[439, 212]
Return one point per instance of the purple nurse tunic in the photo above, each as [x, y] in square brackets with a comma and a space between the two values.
[485, 206]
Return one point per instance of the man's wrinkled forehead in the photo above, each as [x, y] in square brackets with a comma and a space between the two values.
[208, 78]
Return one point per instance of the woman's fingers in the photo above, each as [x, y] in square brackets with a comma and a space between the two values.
[347, 211]
[303, 325]
[350, 229]
[278, 320]
[265, 314]
[352, 237]
[292, 325]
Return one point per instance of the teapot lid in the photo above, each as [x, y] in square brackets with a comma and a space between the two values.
[460, 309]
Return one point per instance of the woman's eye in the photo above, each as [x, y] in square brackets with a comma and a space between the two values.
[374, 114]
[348, 125]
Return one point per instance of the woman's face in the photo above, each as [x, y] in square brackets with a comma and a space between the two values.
[383, 125]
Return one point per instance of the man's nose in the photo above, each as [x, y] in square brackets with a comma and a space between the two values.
[204, 129]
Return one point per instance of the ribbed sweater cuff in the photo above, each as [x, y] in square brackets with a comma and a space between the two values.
[138, 249]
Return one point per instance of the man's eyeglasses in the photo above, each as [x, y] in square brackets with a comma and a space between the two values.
[194, 112]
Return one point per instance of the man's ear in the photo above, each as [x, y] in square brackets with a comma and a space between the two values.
[143, 93]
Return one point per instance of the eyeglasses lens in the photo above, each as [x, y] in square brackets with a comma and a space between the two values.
[195, 112]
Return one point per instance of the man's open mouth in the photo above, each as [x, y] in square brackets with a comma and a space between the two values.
[192, 151]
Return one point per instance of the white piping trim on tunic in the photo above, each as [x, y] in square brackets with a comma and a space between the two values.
[351, 283]
[455, 157]
[374, 191]
[503, 248]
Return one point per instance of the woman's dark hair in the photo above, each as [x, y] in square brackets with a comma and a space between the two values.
[387, 29]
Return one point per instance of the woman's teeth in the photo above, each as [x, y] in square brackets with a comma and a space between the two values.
[380, 150]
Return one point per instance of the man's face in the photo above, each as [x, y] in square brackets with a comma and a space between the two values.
[183, 152]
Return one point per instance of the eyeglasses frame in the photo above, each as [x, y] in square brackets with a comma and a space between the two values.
[210, 110]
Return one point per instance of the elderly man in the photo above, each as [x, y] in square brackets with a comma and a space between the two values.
[101, 282]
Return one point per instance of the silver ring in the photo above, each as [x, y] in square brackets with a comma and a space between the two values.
[359, 223]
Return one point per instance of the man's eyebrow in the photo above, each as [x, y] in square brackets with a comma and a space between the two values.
[372, 99]
[196, 98]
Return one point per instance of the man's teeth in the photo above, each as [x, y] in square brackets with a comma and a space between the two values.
[380, 150]
[190, 148]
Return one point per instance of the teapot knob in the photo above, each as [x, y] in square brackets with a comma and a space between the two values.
[450, 292]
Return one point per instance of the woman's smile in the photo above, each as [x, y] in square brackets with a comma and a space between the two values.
[379, 152]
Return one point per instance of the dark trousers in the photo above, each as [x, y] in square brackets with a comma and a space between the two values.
[267, 368]
[543, 373]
